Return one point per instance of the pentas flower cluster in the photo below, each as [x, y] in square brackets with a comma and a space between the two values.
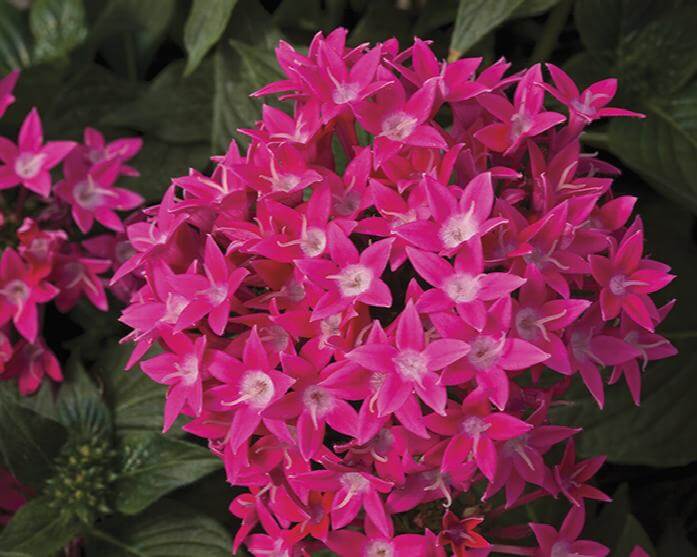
[370, 313]
[46, 253]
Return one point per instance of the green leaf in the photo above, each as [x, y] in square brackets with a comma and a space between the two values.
[28, 441]
[58, 26]
[533, 8]
[158, 162]
[173, 108]
[204, 27]
[381, 20]
[650, 44]
[136, 402]
[475, 18]
[631, 535]
[80, 405]
[14, 39]
[663, 148]
[38, 529]
[168, 529]
[674, 542]
[128, 32]
[310, 15]
[153, 465]
[436, 13]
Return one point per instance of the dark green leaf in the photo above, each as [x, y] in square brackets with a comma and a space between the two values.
[436, 13]
[309, 15]
[28, 441]
[631, 535]
[128, 32]
[674, 542]
[167, 529]
[381, 21]
[475, 18]
[204, 27]
[663, 148]
[14, 39]
[532, 8]
[136, 402]
[174, 109]
[80, 405]
[38, 529]
[153, 465]
[58, 26]
[159, 162]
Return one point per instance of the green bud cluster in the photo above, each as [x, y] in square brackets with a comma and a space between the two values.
[83, 472]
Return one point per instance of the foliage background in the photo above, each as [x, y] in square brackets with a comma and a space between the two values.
[178, 72]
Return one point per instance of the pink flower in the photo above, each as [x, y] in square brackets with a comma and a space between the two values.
[75, 275]
[456, 221]
[460, 534]
[626, 279]
[473, 429]
[21, 289]
[7, 84]
[248, 388]
[525, 118]
[410, 365]
[213, 293]
[92, 196]
[95, 150]
[28, 163]
[565, 541]
[182, 370]
[30, 363]
[13, 496]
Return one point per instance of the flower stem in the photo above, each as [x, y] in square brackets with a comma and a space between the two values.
[550, 34]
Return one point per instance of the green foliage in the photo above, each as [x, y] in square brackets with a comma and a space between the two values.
[179, 74]
[164, 530]
[153, 465]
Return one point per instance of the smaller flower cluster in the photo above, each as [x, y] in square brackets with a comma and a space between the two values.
[370, 313]
[46, 255]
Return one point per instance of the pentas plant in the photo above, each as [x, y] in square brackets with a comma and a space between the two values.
[370, 313]
[60, 236]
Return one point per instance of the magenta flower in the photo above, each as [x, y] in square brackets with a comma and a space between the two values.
[396, 120]
[350, 277]
[21, 289]
[30, 362]
[626, 280]
[347, 543]
[456, 221]
[464, 286]
[213, 292]
[410, 365]
[353, 490]
[565, 541]
[520, 120]
[91, 194]
[7, 84]
[28, 163]
[473, 428]
[248, 388]
[95, 150]
[75, 275]
[571, 477]
[182, 369]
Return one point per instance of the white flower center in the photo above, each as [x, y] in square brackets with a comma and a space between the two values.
[285, 182]
[257, 388]
[618, 285]
[217, 293]
[474, 426]
[379, 548]
[345, 92]
[462, 287]
[354, 280]
[411, 364]
[354, 482]
[318, 401]
[520, 123]
[86, 194]
[313, 242]
[526, 323]
[16, 292]
[398, 126]
[174, 305]
[458, 228]
[485, 351]
[28, 165]
[188, 369]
